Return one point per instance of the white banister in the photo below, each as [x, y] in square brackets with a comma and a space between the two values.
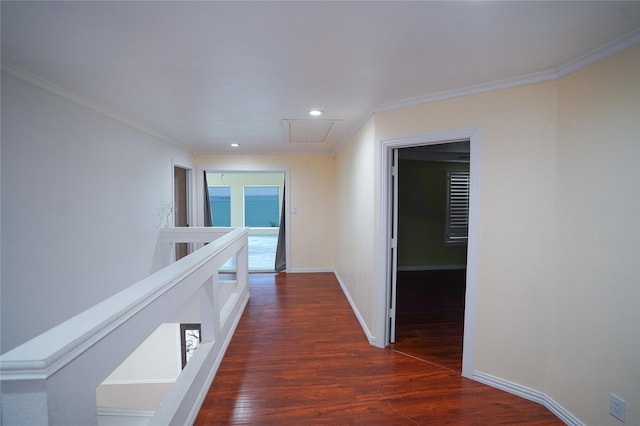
[52, 379]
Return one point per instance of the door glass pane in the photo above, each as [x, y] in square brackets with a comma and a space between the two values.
[261, 206]
[220, 198]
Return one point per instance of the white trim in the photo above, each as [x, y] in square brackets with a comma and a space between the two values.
[473, 250]
[350, 133]
[384, 294]
[178, 346]
[111, 411]
[190, 185]
[383, 291]
[138, 382]
[308, 270]
[573, 65]
[67, 94]
[530, 394]
[370, 337]
[569, 67]
[274, 152]
[537, 77]
[599, 53]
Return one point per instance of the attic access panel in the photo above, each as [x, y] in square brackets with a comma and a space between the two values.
[307, 130]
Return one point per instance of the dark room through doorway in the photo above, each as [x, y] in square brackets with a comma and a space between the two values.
[432, 223]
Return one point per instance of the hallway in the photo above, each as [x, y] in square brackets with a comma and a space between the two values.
[299, 356]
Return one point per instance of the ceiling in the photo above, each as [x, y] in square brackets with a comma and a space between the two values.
[204, 75]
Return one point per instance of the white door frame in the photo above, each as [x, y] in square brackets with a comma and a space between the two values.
[189, 190]
[189, 199]
[384, 294]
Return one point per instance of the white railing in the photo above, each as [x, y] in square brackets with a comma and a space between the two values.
[52, 379]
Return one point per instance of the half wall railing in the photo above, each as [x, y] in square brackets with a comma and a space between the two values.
[52, 379]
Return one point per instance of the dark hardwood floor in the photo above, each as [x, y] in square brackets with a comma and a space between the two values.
[299, 357]
[430, 316]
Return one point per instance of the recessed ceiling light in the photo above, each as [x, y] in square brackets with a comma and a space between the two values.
[235, 145]
[315, 113]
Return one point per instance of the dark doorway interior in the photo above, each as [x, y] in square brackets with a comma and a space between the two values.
[430, 316]
[180, 199]
[432, 218]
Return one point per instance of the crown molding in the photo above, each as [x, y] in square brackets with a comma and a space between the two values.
[600, 53]
[67, 94]
[573, 65]
[322, 153]
[533, 78]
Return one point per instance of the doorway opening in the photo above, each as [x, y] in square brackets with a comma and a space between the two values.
[255, 200]
[181, 203]
[423, 273]
[432, 225]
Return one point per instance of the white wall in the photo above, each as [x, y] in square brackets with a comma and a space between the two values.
[594, 338]
[559, 256]
[143, 379]
[311, 192]
[356, 262]
[81, 195]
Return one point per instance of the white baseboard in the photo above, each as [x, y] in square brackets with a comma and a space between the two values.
[124, 412]
[530, 394]
[138, 382]
[370, 337]
[308, 270]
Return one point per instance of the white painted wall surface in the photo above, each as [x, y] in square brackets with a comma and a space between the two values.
[81, 194]
[594, 338]
[144, 378]
[356, 262]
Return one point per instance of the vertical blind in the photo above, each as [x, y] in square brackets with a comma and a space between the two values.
[457, 206]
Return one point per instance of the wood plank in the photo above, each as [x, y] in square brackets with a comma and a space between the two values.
[299, 356]
[430, 316]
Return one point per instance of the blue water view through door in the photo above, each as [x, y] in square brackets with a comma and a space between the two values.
[261, 206]
[251, 199]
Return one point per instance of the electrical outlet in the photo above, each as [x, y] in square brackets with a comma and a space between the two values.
[617, 406]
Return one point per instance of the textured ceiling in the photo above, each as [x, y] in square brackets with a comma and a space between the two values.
[206, 74]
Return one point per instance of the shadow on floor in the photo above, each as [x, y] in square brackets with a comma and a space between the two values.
[430, 316]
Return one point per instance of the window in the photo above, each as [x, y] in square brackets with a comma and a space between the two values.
[457, 206]
[220, 199]
[262, 206]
